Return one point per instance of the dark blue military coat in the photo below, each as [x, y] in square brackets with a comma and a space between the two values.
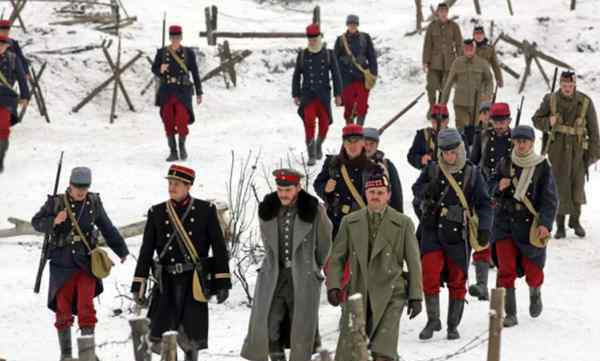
[13, 70]
[68, 256]
[487, 151]
[16, 48]
[362, 47]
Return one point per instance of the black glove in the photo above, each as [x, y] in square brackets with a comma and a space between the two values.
[483, 237]
[222, 295]
[414, 308]
[430, 190]
[136, 286]
[333, 296]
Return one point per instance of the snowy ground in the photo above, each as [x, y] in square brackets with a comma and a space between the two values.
[127, 159]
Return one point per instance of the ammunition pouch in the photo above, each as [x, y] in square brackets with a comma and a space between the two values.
[454, 213]
[183, 80]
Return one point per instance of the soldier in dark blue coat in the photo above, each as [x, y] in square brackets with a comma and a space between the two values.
[11, 71]
[357, 45]
[72, 285]
[527, 203]
[182, 232]
[313, 93]
[489, 147]
[173, 65]
[445, 241]
[422, 149]
[5, 26]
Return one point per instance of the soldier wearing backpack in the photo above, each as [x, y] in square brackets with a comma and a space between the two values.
[456, 217]
[11, 71]
[311, 90]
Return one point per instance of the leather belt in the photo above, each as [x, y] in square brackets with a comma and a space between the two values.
[179, 268]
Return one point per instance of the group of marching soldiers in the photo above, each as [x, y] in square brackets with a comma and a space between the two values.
[483, 194]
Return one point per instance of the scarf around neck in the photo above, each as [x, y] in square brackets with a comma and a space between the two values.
[317, 47]
[461, 160]
[528, 162]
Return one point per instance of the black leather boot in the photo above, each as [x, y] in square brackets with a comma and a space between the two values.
[276, 352]
[191, 355]
[510, 307]
[319, 150]
[455, 312]
[561, 232]
[535, 302]
[311, 150]
[432, 305]
[182, 151]
[576, 226]
[173, 156]
[3, 149]
[65, 344]
[360, 120]
[480, 289]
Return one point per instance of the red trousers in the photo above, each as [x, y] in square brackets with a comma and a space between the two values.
[507, 253]
[356, 100]
[313, 110]
[483, 256]
[175, 117]
[433, 266]
[4, 123]
[81, 287]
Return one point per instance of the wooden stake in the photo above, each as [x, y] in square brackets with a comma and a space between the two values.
[358, 333]
[510, 8]
[234, 60]
[317, 15]
[477, 7]
[573, 4]
[541, 69]
[113, 105]
[140, 327]
[169, 346]
[419, 6]
[113, 68]
[86, 348]
[496, 323]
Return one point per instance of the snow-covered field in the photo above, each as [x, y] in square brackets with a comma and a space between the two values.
[128, 158]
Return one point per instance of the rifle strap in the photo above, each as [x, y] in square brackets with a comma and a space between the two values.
[181, 232]
[178, 58]
[352, 57]
[6, 83]
[185, 215]
[459, 191]
[75, 223]
[353, 191]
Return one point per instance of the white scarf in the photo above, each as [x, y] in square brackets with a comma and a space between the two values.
[461, 160]
[317, 47]
[528, 162]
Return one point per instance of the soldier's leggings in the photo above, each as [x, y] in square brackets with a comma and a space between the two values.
[81, 288]
[356, 100]
[433, 267]
[508, 254]
[313, 110]
[175, 117]
[435, 83]
[4, 123]
[463, 116]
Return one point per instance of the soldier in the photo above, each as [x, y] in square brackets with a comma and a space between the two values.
[172, 64]
[182, 231]
[389, 169]
[340, 184]
[5, 26]
[74, 218]
[356, 55]
[569, 117]
[313, 96]
[377, 241]
[422, 150]
[472, 77]
[527, 202]
[443, 43]
[11, 71]
[454, 195]
[489, 147]
[486, 51]
[297, 236]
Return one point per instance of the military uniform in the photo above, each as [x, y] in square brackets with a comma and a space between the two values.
[72, 286]
[174, 305]
[175, 93]
[515, 253]
[423, 144]
[488, 52]
[443, 43]
[355, 96]
[468, 76]
[574, 147]
[444, 248]
[13, 71]
[5, 26]
[312, 84]
[285, 311]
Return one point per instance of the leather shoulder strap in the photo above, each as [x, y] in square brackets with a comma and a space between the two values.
[353, 191]
[178, 59]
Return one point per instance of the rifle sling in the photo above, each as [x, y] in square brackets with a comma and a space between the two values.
[353, 191]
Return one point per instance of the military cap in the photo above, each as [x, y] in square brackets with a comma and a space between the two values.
[567, 75]
[500, 111]
[175, 30]
[352, 131]
[377, 180]
[5, 24]
[485, 106]
[439, 111]
[449, 138]
[313, 30]
[181, 173]
[81, 177]
[286, 177]
[371, 134]
[352, 19]
[443, 5]
[478, 29]
[468, 42]
[523, 132]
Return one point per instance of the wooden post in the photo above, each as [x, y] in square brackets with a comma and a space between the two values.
[419, 5]
[169, 346]
[358, 333]
[140, 327]
[477, 7]
[317, 15]
[496, 323]
[492, 31]
[573, 4]
[86, 348]
[209, 28]
[510, 9]
[234, 60]
[213, 16]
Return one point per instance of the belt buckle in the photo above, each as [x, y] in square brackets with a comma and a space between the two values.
[76, 238]
[178, 268]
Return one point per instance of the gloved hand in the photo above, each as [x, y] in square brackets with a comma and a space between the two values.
[222, 295]
[483, 237]
[137, 292]
[414, 308]
[333, 296]
[431, 190]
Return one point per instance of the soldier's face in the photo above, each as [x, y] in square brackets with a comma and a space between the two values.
[176, 39]
[478, 36]
[354, 147]
[450, 156]
[313, 41]
[178, 190]
[469, 51]
[78, 194]
[523, 146]
[371, 147]
[567, 87]
[288, 195]
[501, 125]
[352, 28]
[4, 32]
[443, 14]
[378, 198]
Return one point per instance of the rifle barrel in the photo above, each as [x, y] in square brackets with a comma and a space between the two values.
[401, 113]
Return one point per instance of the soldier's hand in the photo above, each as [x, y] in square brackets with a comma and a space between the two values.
[503, 184]
[222, 295]
[426, 159]
[297, 101]
[330, 186]
[414, 308]
[163, 68]
[338, 101]
[543, 232]
[23, 102]
[334, 296]
[553, 120]
[199, 99]
[500, 83]
[60, 217]
[425, 68]
[123, 259]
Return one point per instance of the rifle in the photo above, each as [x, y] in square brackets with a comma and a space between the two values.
[438, 124]
[519, 111]
[402, 112]
[49, 231]
[164, 24]
[547, 137]
[495, 94]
